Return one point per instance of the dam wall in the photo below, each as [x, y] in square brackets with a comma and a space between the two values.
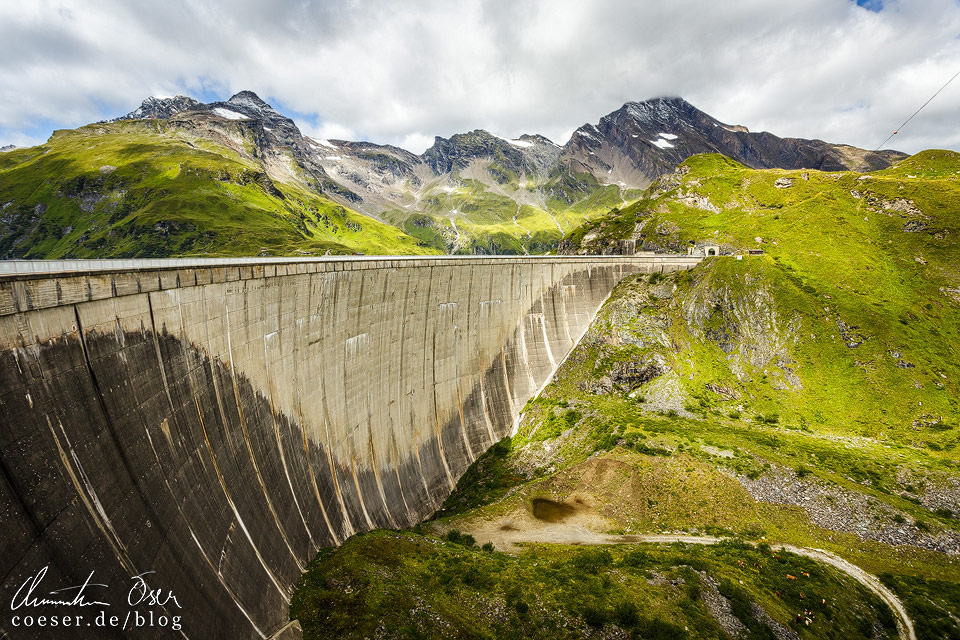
[217, 422]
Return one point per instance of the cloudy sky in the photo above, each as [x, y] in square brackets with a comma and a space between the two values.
[402, 72]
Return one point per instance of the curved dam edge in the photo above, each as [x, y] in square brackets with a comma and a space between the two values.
[218, 424]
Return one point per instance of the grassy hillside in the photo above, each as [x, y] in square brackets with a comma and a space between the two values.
[807, 396]
[405, 585]
[661, 375]
[869, 265]
[147, 189]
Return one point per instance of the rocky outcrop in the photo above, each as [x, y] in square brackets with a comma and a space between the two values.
[455, 153]
[779, 631]
[161, 108]
[850, 334]
[744, 320]
[719, 606]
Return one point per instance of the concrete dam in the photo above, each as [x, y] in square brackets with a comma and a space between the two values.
[216, 422]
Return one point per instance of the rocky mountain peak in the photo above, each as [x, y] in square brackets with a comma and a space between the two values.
[669, 110]
[661, 103]
[161, 107]
[250, 100]
[642, 140]
[244, 103]
[457, 151]
[587, 134]
[657, 111]
[536, 138]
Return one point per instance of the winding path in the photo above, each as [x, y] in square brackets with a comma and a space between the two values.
[580, 535]
[870, 581]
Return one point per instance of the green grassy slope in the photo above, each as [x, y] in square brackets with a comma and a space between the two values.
[143, 189]
[747, 393]
[869, 264]
[405, 585]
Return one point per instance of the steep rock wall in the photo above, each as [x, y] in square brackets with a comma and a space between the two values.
[219, 424]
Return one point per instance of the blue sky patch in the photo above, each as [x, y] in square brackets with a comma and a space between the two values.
[871, 5]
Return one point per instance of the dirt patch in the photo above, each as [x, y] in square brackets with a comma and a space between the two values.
[560, 519]
[551, 510]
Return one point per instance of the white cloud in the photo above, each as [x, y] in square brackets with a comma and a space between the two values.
[327, 131]
[19, 139]
[402, 73]
[416, 142]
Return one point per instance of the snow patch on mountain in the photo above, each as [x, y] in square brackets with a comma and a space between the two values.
[663, 144]
[228, 114]
[588, 131]
[523, 144]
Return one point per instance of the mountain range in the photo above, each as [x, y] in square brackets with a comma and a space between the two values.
[474, 192]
